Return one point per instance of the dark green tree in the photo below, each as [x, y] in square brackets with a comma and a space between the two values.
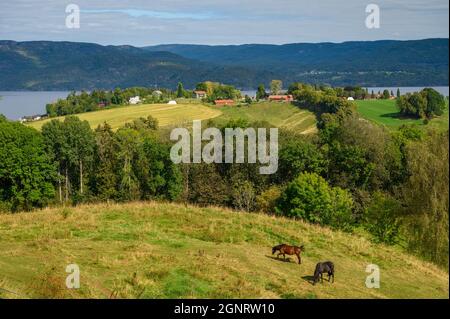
[261, 92]
[26, 171]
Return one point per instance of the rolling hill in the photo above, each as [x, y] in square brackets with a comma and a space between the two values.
[367, 63]
[44, 65]
[161, 250]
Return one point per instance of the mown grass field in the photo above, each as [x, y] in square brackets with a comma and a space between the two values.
[157, 250]
[386, 113]
[166, 114]
[276, 113]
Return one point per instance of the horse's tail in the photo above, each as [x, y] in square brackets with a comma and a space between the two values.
[302, 247]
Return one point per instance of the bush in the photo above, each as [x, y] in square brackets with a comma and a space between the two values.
[266, 201]
[311, 198]
[382, 219]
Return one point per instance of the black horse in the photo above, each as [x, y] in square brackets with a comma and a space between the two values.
[325, 267]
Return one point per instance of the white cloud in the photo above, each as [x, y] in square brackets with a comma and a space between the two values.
[140, 22]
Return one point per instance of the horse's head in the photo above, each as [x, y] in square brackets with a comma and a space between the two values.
[274, 249]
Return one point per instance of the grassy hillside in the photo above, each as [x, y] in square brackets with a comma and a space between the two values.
[166, 114]
[385, 112]
[276, 113]
[154, 250]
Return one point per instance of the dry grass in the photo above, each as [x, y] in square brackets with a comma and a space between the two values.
[164, 113]
[158, 250]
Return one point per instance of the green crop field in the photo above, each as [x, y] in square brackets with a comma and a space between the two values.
[276, 113]
[385, 112]
[166, 114]
[159, 250]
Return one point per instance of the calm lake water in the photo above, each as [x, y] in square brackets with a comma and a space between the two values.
[15, 105]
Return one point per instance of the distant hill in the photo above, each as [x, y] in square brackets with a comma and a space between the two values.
[370, 63]
[43, 65]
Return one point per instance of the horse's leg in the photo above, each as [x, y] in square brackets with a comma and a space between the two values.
[299, 259]
[278, 256]
[321, 277]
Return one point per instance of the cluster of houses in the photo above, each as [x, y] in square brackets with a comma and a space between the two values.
[33, 118]
[137, 100]
[199, 94]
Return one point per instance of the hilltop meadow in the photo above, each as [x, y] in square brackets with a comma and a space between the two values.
[162, 250]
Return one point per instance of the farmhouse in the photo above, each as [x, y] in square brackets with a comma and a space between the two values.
[224, 102]
[134, 100]
[281, 98]
[350, 98]
[199, 94]
[172, 102]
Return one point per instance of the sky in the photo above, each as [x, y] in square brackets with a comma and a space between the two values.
[150, 22]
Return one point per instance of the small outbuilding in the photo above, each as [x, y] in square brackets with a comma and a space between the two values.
[199, 94]
[172, 102]
[134, 100]
[224, 102]
[281, 98]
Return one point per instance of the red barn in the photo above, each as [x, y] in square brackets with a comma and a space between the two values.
[224, 102]
[282, 98]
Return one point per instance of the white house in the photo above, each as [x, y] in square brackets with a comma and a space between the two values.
[134, 100]
[172, 102]
[350, 98]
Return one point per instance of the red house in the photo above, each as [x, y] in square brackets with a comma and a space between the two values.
[224, 102]
[281, 98]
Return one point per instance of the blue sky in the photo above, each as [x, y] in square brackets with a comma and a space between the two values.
[148, 22]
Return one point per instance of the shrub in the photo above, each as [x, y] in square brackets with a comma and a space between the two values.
[382, 219]
[266, 201]
[311, 198]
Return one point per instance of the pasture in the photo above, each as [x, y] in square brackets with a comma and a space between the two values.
[386, 113]
[159, 250]
[164, 113]
[279, 114]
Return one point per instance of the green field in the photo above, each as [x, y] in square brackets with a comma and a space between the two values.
[166, 114]
[157, 250]
[276, 113]
[385, 112]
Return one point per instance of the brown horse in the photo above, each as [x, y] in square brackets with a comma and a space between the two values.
[284, 249]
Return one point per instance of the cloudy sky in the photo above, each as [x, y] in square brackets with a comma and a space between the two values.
[148, 22]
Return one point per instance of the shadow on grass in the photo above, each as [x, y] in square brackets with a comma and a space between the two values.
[392, 115]
[309, 279]
[287, 260]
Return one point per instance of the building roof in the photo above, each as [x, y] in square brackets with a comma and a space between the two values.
[200, 92]
[280, 97]
[223, 101]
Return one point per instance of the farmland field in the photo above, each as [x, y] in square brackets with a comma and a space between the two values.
[159, 250]
[385, 112]
[276, 113]
[166, 114]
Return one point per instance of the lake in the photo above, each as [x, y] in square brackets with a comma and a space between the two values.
[15, 105]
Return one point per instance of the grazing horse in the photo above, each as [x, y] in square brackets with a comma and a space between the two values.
[327, 267]
[284, 249]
